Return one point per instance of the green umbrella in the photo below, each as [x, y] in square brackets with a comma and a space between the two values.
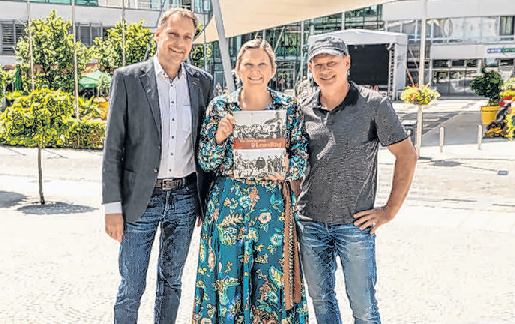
[92, 79]
[18, 85]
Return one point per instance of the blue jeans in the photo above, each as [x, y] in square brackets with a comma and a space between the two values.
[320, 243]
[174, 212]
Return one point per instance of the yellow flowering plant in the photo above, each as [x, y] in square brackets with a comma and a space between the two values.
[419, 96]
[98, 100]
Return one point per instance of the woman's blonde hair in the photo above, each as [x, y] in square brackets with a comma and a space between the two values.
[257, 44]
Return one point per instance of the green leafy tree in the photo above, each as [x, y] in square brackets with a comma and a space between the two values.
[197, 52]
[197, 55]
[52, 46]
[139, 45]
[45, 118]
[488, 85]
[3, 78]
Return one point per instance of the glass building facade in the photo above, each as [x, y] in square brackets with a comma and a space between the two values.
[452, 77]
[286, 40]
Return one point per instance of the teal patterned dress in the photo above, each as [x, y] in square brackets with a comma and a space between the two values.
[239, 276]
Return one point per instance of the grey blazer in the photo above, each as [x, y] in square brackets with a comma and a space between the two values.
[132, 149]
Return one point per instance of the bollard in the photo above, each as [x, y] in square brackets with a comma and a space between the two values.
[441, 139]
[479, 136]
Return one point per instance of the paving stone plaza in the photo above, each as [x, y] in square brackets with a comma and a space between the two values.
[448, 257]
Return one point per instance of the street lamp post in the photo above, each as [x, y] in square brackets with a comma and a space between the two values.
[421, 81]
[30, 48]
[123, 32]
[205, 44]
[75, 63]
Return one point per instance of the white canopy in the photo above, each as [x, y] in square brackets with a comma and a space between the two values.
[245, 16]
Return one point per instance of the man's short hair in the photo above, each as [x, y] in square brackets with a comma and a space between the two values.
[331, 45]
[180, 11]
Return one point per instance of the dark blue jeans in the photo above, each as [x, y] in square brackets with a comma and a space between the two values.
[320, 243]
[174, 213]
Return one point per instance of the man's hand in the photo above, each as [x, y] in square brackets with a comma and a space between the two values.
[225, 128]
[405, 162]
[374, 217]
[114, 226]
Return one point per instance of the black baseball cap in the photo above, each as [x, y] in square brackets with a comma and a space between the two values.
[331, 45]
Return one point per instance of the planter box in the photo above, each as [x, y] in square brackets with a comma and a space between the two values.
[488, 114]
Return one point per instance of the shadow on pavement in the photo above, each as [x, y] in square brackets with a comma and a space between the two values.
[55, 208]
[10, 199]
[444, 163]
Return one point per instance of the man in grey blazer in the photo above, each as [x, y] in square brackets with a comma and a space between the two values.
[150, 177]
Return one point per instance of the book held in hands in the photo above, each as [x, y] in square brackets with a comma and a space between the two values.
[259, 143]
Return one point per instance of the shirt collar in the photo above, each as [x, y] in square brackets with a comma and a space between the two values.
[160, 72]
[350, 99]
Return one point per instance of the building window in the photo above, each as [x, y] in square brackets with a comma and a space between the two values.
[11, 32]
[458, 63]
[441, 28]
[472, 63]
[491, 62]
[365, 18]
[441, 63]
[395, 26]
[507, 26]
[327, 24]
[409, 27]
[489, 29]
[201, 6]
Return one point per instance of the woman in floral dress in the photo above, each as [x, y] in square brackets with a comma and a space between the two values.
[247, 251]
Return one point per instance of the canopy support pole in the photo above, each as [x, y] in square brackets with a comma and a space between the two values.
[223, 46]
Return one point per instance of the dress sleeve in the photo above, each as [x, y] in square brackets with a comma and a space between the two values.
[298, 143]
[210, 154]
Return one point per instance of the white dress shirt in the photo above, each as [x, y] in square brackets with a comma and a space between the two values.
[177, 153]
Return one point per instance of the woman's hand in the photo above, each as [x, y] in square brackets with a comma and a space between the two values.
[278, 177]
[225, 128]
[275, 177]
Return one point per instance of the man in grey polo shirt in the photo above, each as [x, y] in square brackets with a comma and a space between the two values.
[345, 124]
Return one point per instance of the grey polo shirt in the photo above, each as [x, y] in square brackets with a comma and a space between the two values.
[343, 146]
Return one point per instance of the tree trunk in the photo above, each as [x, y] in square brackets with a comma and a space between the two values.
[40, 175]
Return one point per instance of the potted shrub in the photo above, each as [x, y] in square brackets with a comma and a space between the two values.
[104, 82]
[488, 85]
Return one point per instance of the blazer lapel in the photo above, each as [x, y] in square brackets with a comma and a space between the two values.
[194, 88]
[149, 83]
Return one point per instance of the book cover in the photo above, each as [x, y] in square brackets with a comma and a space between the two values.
[259, 143]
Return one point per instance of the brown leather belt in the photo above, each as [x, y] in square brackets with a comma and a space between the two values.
[176, 183]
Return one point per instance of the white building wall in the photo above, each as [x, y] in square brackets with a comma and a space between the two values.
[400, 10]
[107, 16]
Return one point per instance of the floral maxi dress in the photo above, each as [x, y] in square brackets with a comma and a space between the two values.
[240, 276]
